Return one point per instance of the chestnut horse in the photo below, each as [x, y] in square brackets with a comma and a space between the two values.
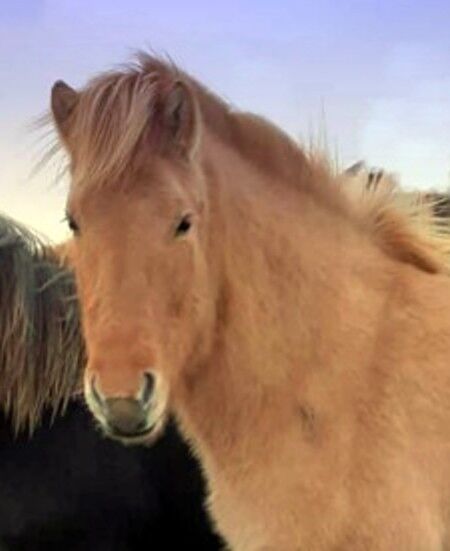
[301, 337]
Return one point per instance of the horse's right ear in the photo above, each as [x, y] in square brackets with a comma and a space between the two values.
[63, 101]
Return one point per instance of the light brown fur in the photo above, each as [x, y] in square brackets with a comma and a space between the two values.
[300, 335]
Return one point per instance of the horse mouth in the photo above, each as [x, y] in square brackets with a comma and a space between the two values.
[146, 436]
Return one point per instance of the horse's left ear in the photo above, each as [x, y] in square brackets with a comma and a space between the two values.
[181, 120]
[63, 101]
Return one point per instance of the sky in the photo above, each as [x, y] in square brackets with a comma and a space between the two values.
[374, 73]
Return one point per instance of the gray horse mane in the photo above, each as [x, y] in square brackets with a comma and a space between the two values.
[41, 348]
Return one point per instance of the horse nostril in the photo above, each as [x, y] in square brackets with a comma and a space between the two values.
[148, 388]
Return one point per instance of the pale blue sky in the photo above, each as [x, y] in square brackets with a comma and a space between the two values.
[381, 69]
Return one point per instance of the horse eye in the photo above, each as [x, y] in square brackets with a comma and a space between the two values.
[72, 224]
[183, 226]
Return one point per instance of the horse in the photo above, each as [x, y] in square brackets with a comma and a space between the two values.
[62, 485]
[301, 337]
[369, 178]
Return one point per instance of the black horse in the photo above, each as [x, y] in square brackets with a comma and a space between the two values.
[68, 488]
[63, 486]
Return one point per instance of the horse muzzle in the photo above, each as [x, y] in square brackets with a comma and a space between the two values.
[130, 419]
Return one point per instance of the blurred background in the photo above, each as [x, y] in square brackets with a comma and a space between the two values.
[374, 74]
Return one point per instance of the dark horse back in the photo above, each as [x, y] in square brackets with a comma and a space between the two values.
[68, 488]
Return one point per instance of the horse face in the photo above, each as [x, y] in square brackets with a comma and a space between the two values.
[137, 206]
[142, 277]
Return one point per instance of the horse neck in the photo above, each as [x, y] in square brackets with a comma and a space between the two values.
[287, 265]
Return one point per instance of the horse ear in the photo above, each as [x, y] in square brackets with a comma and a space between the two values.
[181, 120]
[63, 102]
